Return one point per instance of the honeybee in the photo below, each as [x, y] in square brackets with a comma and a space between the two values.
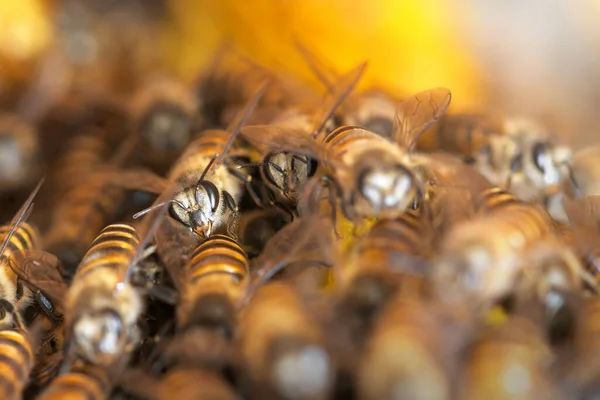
[213, 282]
[391, 257]
[520, 368]
[230, 81]
[285, 173]
[282, 347]
[88, 201]
[18, 358]
[164, 113]
[408, 355]
[513, 153]
[372, 109]
[373, 177]
[476, 262]
[83, 380]
[184, 383]
[102, 305]
[209, 188]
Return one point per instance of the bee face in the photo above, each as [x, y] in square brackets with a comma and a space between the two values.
[166, 126]
[389, 190]
[100, 335]
[287, 173]
[196, 208]
[549, 163]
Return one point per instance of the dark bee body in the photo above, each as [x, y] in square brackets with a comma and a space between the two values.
[87, 203]
[102, 308]
[83, 381]
[16, 361]
[214, 281]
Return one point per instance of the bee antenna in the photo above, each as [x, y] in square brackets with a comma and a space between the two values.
[155, 206]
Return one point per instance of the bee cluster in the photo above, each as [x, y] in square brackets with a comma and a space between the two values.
[246, 237]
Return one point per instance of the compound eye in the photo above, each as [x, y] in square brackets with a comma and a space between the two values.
[539, 155]
[213, 194]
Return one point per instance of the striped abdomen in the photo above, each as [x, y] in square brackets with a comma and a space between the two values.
[82, 382]
[198, 154]
[111, 251]
[24, 238]
[460, 134]
[218, 254]
[348, 139]
[214, 275]
[401, 235]
[16, 362]
[493, 199]
[82, 154]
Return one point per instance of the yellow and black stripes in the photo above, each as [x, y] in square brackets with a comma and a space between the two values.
[401, 235]
[24, 238]
[16, 362]
[347, 138]
[113, 249]
[219, 254]
[492, 199]
[85, 382]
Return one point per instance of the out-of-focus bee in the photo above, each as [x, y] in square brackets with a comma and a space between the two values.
[184, 383]
[408, 356]
[164, 113]
[373, 177]
[510, 361]
[515, 154]
[586, 171]
[389, 258]
[584, 231]
[87, 203]
[17, 352]
[475, 263]
[82, 381]
[285, 173]
[372, 109]
[222, 95]
[257, 227]
[282, 347]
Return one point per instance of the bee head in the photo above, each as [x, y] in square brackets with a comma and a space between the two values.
[99, 335]
[166, 126]
[287, 172]
[389, 188]
[196, 206]
[550, 162]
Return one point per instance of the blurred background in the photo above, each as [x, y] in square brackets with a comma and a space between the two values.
[536, 58]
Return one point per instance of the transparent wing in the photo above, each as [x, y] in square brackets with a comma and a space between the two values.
[134, 179]
[307, 239]
[336, 96]
[41, 270]
[416, 114]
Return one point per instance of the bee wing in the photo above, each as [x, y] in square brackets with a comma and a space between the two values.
[322, 70]
[299, 239]
[134, 179]
[336, 96]
[241, 118]
[416, 114]
[41, 270]
[21, 215]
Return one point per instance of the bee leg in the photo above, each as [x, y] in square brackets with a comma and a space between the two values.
[333, 190]
[247, 179]
[234, 219]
